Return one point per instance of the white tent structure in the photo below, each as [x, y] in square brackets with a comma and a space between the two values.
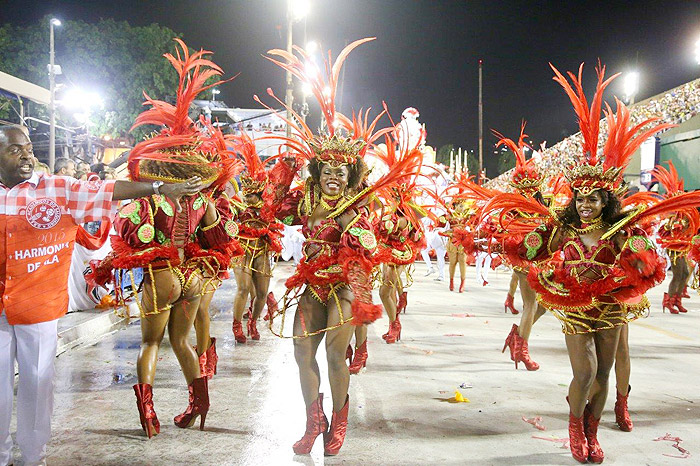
[21, 88]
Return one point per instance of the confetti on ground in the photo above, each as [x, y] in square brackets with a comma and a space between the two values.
[459, 398]
[676, 444]
[535, 421]
[428, 352]
[564, 441]
[463, 315]
[454, 334]
[465, 385]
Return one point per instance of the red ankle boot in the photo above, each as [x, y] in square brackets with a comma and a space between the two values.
[622, 415]
[577, 439]
[360, 359]
[510, 342]
[394, 333]
[685, 292]
[272, 307]
[679, 304]
[510, 305]
[212, 359]
[253, 328]
[462, 285]
[668, 303]
[316, 424]
[238, 331]
[147, 414]
[522, 354]
[403, 301]
[333, 439]
[198, 404]
[452, 284]
[590, 427]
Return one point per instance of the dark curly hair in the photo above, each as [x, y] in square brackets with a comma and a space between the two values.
[356, 172]
[610, 213]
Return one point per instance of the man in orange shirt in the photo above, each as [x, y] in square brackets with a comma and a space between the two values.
[39, 217]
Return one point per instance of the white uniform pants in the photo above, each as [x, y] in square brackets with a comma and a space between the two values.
[34, 348]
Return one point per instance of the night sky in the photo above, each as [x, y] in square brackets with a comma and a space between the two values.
[426, 53]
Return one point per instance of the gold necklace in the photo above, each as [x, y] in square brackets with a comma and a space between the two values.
[595, 224]
[329, 202]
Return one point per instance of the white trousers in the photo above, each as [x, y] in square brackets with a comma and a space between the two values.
[34, 348]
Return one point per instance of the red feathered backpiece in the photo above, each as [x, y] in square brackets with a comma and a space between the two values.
[602, 172]
[180, 139]
[526, 178]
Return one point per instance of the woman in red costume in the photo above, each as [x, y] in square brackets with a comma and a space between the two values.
[331, 285]
[259, 233]
[167, 238]
[675, 235]
[458, 216]
[607, 263]
[401, 238]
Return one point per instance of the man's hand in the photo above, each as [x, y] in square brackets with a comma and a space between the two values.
[175, 191]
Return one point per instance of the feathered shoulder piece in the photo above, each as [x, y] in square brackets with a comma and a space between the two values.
[669, 179]
[526, 178]
[604, 171]
[178, 151]
[345, 140]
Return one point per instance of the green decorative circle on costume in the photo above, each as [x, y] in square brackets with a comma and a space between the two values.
[160, 236]
[365, 237]
[162, 203]
[533, 242]
[146, 233]
[198, 203]
[695, 240]
[231, 228]
[131, 211]
[639, 243]
[288, 220]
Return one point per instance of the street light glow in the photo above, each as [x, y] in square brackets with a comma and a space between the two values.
[55, 21]
[80, 99]
[631, 84]
[215, 91]
[299, 8]
[697, 51]
[306, 89]
[312, 46]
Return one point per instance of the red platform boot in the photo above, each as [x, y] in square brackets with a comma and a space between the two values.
[668, 303]
[316, 424]
[238, 331]
[334, 438]
[147, 414]
[522, 354]
[403, 301]
[577, 439]
[253, 328]
[360, 359]
[462, 285]
[394, 333]
[622, 415]
[510, 342]
[510, 305]
[198, 404]
[590, 427]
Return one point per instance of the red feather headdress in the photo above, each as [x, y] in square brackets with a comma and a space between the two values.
[526, 178]
[594, 172]
[182, 149]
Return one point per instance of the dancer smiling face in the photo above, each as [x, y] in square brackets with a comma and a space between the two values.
[333, 180]
[590, 206]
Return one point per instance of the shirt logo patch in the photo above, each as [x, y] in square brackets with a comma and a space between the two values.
[43, 214]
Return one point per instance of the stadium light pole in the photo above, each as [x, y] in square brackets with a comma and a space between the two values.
[631, 86]
[296, 10]
[52, 90]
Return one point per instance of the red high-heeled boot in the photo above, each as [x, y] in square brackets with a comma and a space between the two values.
[685, 292]
[679, 304]
[212, 359]
[668, 303]
[403, 301]
[202, 362]
[462, 285]
[348, 354]
[360, 359]
[272, 307]
[253, 328]
[510, 305]
[394, 333]
[452, 284]
[238, 331]
[333, 439]
[577, 439]
[198, 404]
[622, 415]
[510, 342]
[522, 354]
[590, 427]
[316, 424]
[147, 414]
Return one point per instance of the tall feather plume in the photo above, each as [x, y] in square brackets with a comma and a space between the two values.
[588, 117]
[669, 179]
[245, 147]
[518, 149]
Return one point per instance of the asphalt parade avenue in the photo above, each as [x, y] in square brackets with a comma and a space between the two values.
[402, 408]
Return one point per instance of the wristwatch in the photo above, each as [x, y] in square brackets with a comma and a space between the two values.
[156, 186]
